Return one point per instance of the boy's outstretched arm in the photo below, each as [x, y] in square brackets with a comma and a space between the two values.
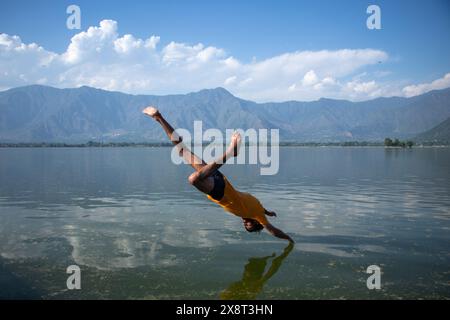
[277, 232]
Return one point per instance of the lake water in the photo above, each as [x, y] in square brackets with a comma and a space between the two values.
[129, 219]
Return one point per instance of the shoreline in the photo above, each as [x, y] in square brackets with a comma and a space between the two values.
[166, 144]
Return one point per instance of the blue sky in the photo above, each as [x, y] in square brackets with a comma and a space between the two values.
[412, 47]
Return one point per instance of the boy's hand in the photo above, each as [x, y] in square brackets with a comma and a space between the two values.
[270, 213]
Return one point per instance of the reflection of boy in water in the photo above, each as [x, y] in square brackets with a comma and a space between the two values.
[254, 278]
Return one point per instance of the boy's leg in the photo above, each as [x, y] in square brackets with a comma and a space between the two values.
[209, 169]
[204, 185]
[190, 157]
[201, 179]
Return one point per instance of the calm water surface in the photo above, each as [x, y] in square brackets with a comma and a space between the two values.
[129, 219]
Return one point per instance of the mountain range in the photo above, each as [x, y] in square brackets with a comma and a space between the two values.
[45, 114]
[438, 134]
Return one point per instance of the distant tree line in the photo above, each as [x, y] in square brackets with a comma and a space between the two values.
[333, 144]
[96, 144]
[388, 142]
[88, 144]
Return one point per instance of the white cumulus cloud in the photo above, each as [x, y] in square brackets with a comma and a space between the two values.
[414, 90]
[310, 78]
[102, 58]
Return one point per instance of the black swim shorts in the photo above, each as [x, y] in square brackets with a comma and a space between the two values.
[219, 186]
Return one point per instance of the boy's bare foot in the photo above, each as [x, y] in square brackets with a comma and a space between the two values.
[235, 143]
[152, 112]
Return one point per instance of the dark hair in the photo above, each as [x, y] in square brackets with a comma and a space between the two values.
[256, 227]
